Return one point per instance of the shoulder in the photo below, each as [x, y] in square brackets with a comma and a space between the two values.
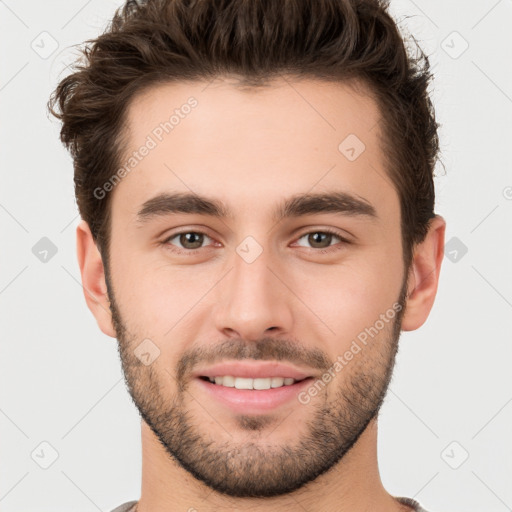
[126, 507]
[416, 507]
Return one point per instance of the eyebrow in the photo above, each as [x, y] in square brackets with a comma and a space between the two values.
[296, 206]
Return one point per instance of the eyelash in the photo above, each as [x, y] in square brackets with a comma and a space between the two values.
[192, 252]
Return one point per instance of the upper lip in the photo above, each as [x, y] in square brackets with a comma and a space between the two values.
[254, 369]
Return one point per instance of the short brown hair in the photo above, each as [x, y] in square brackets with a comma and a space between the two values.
[155, 41]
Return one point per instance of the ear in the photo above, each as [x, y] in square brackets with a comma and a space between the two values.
[93, 278]
[424, 276]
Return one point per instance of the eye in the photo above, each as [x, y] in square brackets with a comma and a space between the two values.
[189, 240]
[322, 239]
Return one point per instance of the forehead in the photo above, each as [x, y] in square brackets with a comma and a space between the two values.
[247, 146]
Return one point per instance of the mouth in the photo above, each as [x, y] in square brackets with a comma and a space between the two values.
[252, 387]
[259, 383]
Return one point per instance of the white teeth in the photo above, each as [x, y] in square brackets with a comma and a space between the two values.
[248, 383]
[227, 381]
[262, 383]
[277, 382]
[241, 383]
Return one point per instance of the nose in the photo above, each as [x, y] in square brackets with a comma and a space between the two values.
[253, 300]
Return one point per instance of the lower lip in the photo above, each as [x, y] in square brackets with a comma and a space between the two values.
[251, 401]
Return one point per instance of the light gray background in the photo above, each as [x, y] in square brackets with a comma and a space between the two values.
[60, 378]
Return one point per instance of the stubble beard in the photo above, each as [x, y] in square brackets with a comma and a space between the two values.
[258, 468]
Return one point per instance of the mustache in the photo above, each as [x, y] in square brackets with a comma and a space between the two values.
[265, 349]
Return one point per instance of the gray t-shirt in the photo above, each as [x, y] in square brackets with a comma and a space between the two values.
[130, 505]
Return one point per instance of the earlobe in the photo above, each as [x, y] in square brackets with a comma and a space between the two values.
[93, 278]
[424, 276]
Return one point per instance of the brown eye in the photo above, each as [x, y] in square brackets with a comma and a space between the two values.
[191, 240]
[320, 239]
[188, 240]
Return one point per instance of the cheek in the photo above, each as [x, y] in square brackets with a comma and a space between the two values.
[353, 297]
[347, 296]
[158, 296]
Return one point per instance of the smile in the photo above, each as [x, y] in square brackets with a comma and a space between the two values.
[250, 383]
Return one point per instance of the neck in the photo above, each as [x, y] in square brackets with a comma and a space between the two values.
[352, 485]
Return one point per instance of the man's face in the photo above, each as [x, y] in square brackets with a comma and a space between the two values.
[251, 296]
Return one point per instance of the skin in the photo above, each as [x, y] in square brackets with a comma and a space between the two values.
[252, 149]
